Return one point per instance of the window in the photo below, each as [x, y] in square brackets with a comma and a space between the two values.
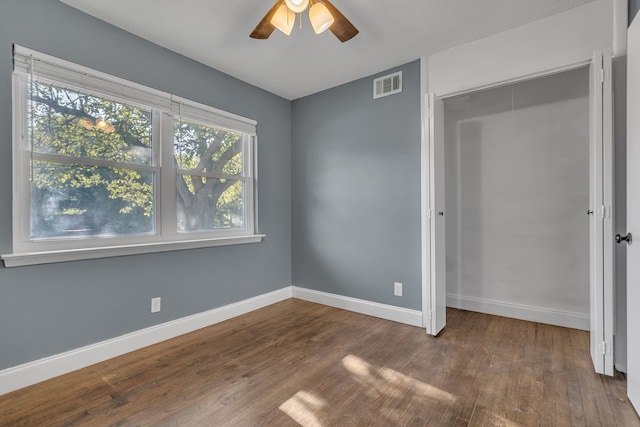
[106, 167]
[210, 184]
[92, 166]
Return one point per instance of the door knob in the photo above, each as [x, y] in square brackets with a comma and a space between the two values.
[628, 238]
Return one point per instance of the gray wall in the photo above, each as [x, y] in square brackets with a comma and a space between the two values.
[356, 191]
[49, 309]
[517, 193]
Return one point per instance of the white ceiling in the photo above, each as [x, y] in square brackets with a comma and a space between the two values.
[392, 32]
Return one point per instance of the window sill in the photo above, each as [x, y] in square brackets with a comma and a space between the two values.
[34, 258]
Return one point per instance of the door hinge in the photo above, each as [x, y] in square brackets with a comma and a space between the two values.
[605, 212]
[605, 348]
[427, 106]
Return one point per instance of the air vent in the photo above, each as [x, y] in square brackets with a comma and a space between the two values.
[387, 85]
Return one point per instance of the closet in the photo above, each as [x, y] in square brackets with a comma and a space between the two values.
[517, 196]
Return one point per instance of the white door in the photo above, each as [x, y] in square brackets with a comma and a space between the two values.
[601, 244]
[633, 212]
[436, 315]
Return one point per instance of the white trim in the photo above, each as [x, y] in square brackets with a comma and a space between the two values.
[425, 239]
[519, 79]
[620, 24]
[608, 197]
[17, 377]
[33, 258]
[383, 311]
[566, 319]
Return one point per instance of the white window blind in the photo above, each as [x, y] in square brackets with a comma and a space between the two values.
[45, 67]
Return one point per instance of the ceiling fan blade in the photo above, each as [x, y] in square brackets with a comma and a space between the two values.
[264, 28]
[342, 28]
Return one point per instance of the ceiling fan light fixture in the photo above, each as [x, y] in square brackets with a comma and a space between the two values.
[322, 14]
[297, 6]
[320, 17]
[284, 19]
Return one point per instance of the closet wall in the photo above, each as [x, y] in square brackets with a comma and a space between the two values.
[517, 196]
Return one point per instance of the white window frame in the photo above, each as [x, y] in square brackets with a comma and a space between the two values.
[30, 64]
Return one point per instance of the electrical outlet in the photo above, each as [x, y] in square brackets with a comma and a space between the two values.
[397, 289]
[155, 305]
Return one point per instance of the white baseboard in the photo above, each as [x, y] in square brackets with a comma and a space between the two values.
[49, 367]
[566, 319]
[17, 377]
[384, 311]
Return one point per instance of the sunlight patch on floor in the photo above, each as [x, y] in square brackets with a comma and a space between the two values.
[108, 379]
[302, 408]
[393, 387]
[388, 381]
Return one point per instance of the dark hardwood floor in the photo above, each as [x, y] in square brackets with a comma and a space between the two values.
[299, 363]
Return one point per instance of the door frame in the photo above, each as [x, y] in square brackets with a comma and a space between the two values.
[429, 297]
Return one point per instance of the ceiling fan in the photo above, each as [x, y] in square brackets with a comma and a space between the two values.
[322, 14]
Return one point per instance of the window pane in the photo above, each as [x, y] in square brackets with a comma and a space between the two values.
[69, 123]
[71, 200]
[207, 149]
[210, 203]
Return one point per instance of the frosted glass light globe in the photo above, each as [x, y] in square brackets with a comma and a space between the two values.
[297, 6]
[284, 19]
[320, 17]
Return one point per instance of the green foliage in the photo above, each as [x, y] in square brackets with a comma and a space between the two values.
[71, 197]
[207, 203]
